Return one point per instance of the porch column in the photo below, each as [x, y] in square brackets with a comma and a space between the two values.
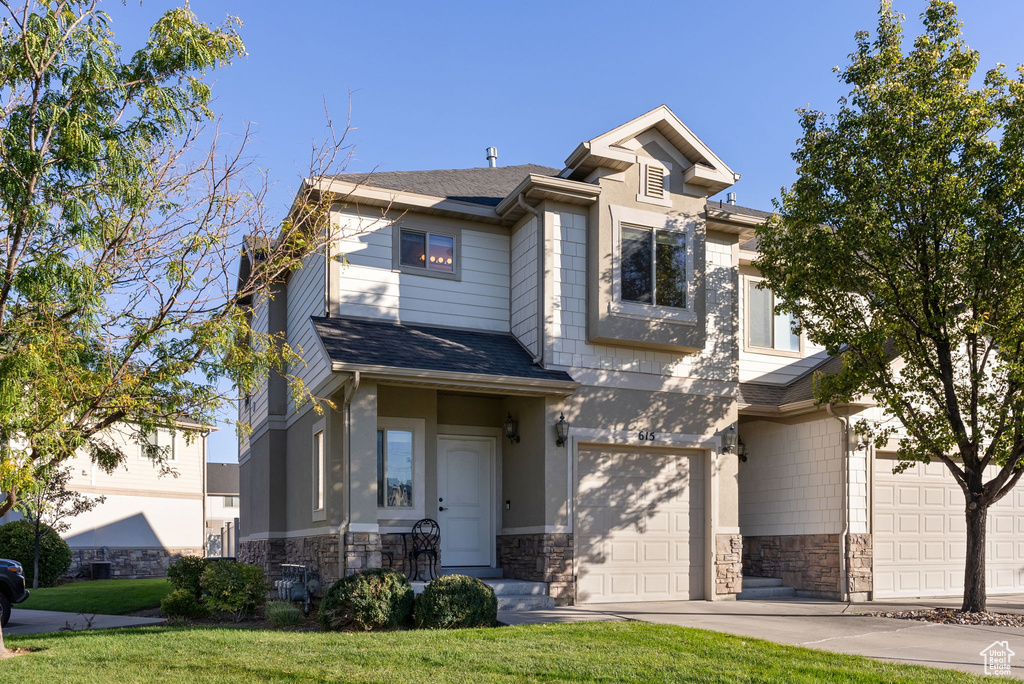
[362, 538]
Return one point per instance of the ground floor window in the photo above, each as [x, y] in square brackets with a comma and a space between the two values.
[394, 468]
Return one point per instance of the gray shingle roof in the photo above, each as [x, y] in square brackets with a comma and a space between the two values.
[799, 389]
[424, 347]
[737, 209]
[486, 185]
[222, 479]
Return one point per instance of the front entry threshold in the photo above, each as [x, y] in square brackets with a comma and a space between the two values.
[474, 571]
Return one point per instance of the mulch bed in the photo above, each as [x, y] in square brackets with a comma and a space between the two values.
[950, 616]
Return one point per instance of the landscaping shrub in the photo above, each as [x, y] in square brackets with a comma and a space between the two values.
[283, 614]
[233, 587]
[17, 540]
[374, 599]
[186, 572]
[180, 603]
[454, 601]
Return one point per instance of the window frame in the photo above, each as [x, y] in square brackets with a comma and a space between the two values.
[417, 426]
[652, 221]
[748, 282]
[234, 498]
[173, 454]
[427, 231]
[318, 466]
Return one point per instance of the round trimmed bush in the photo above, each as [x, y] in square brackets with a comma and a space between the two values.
[456, 601]
[374, 599]
[17, 540]
[180, 603]
[233, 587]
[185, 573]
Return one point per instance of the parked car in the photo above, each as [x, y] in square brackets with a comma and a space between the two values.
[12, 588]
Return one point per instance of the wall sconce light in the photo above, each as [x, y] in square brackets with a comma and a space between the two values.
[512, 429]
[561, 430]
[862, 445]
[730, 440]
[741, 451]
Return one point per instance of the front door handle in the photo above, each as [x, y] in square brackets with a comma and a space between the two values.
[441, 508]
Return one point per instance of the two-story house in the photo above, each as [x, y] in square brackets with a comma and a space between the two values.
[555, 364]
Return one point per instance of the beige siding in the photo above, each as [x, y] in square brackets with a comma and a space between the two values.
[307, 289]
[371, 288]
[524, 282]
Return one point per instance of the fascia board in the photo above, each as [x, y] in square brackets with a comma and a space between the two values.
[476, 381]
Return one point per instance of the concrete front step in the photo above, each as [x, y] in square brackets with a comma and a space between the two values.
[512, 594]
[482, 573]
[760, 582]
[765, 593]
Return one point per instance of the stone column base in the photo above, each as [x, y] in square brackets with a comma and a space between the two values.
[540, 558]
[728, 565]
[362, 551]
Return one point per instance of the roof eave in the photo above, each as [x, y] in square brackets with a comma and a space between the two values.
[477, 382]
[536, 188]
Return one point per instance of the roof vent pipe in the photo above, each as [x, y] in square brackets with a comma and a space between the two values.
[492, 156]
[731, 198]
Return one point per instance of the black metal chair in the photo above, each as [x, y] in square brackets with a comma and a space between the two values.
[426, 536]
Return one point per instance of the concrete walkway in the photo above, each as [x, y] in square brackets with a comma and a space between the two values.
[39, 621]
[825, 625]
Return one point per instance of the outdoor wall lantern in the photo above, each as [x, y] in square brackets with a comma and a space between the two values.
[741, 451]
[561, 430]
[729, 440]
[512, 429]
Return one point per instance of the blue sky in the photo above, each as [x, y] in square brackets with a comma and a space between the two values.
[433, 84]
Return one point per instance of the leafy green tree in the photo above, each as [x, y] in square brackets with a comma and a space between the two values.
[901, 246]
[122, 215]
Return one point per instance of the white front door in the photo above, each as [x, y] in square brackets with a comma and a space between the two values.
[465, 506]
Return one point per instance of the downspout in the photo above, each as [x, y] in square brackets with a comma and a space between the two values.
[844, 511]
[521, 201]
[206, 434]
[346, 464]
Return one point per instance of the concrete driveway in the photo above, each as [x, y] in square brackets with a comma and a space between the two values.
[824, 625]
[39, 621]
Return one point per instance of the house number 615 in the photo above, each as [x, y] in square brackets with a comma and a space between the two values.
[645, 436]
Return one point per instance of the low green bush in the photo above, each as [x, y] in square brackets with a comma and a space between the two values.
[233, 587]
[283, 614]
[17, 542]
[374, 599]
[186, 572]
[180, 603]
[456, 601]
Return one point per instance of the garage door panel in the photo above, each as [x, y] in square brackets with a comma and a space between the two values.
[920, 548]
[645, 541]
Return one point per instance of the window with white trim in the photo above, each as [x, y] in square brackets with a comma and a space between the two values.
[230, 502]
[319, 490]
[765, 328]
[430, 251]
[157, 445]
[395, 468]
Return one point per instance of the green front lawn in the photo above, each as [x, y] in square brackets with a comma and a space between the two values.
[106, 597]
[606, 652]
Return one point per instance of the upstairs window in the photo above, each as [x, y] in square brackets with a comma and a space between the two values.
[765, 328]
[653, 266]
[230, 502]
[157, 445]
[394, 468]
[429, 251]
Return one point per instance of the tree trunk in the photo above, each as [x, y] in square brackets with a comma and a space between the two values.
[35, 558]
[974, 570]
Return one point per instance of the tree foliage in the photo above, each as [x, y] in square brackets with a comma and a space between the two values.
[903, 238]
[122, 215]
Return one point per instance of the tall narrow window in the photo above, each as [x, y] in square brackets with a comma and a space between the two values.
[394, 468]
[653, 266]
[765, 328]
[318, 471]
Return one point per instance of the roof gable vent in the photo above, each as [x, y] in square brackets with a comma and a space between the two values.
[654, 185]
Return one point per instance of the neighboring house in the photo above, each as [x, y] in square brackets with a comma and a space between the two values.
[454, 306]
[148, 518]
[221, 508]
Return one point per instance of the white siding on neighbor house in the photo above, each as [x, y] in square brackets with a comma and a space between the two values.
[307, 296]
[370, 287]
[523, 299]
[568, 329]
[791, 482]
[766, 367]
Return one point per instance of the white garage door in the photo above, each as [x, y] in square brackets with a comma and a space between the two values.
[920, 535]
[639, 525]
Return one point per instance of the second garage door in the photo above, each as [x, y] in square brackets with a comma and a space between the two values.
[639, 525]
[920, 535]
